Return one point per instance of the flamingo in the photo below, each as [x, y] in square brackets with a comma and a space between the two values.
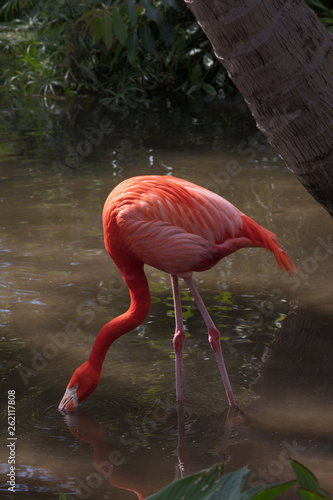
[177, 227]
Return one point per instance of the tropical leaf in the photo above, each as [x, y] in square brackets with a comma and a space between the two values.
[166, 31]
[130, 9]
[151, 11]
[320, 5]
[311, 495]
[132, 46]
[96, 28]
[88, 72]
[272, 491]
[119, 26]
[196, 75]
[107, 30]
[305, 477]
[208, 60]
[199, 486]
[209, 89]
[308, 482]
[86, 15]
[231, 485]
[169, 3]
[147, 38]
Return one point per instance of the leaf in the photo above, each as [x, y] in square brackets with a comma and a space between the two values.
[251, 492]
[96, 28]
[273, 491]
[147, 38]
[194, 51]
[305, 477]
[231, 485]
[196, 75]
[327, 20]
[132, 46]
[130, 9]
[311, 495]
[90, 13]
[192, 89]
[151, 11]
[88, 71]
[169, 3]
[320, 5]
[166, 31]
[119, 26]
[308, 482]
[209, 89]
[107, 30]
[199, 486]
[208, 60]
[192, 29]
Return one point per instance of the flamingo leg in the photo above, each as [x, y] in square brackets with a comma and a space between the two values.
[179, 337]
[214, 339]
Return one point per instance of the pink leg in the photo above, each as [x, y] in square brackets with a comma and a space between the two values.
[179, 337]
[214, 339]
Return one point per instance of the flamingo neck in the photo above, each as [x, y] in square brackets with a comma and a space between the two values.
[136, 281]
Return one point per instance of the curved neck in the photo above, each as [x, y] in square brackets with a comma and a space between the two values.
[136, 281]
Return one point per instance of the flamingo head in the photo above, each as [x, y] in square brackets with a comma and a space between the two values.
[83, 382]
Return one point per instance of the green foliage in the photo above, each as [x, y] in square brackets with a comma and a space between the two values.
[201, 485]
[116, 48]
[210, 484]
[120, 50]
[309, 488]
[323, 11]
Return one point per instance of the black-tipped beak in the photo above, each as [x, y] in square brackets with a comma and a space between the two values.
[69, 401]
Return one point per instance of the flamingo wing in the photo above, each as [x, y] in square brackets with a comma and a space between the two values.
[179, 227]
[172, 224]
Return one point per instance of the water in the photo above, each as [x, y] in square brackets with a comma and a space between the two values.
[59, 286]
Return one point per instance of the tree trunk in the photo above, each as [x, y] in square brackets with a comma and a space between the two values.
[280, 57]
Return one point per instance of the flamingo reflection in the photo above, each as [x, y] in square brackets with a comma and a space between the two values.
[110, 461]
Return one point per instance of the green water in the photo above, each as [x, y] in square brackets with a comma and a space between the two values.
[58, 287]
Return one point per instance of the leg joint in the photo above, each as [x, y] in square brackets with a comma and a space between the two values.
[178, 340]
[214, 339]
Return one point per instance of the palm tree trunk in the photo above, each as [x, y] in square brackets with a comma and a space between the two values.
[280, 57]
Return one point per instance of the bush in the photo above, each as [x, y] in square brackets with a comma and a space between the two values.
[118, 49]
[113, 48]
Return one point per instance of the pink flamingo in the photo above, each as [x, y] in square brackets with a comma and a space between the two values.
[177, 227]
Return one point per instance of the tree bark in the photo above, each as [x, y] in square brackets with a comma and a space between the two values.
[280, 57]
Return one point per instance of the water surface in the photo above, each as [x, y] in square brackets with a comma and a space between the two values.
[59, 286]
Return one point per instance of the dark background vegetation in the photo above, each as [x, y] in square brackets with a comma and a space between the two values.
[118, 50]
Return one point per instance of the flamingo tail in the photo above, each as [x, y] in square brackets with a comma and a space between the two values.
[262, 237]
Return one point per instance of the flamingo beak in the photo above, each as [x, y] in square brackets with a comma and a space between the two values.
[69, 401]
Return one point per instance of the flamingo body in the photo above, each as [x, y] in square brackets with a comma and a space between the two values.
[176, 227]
